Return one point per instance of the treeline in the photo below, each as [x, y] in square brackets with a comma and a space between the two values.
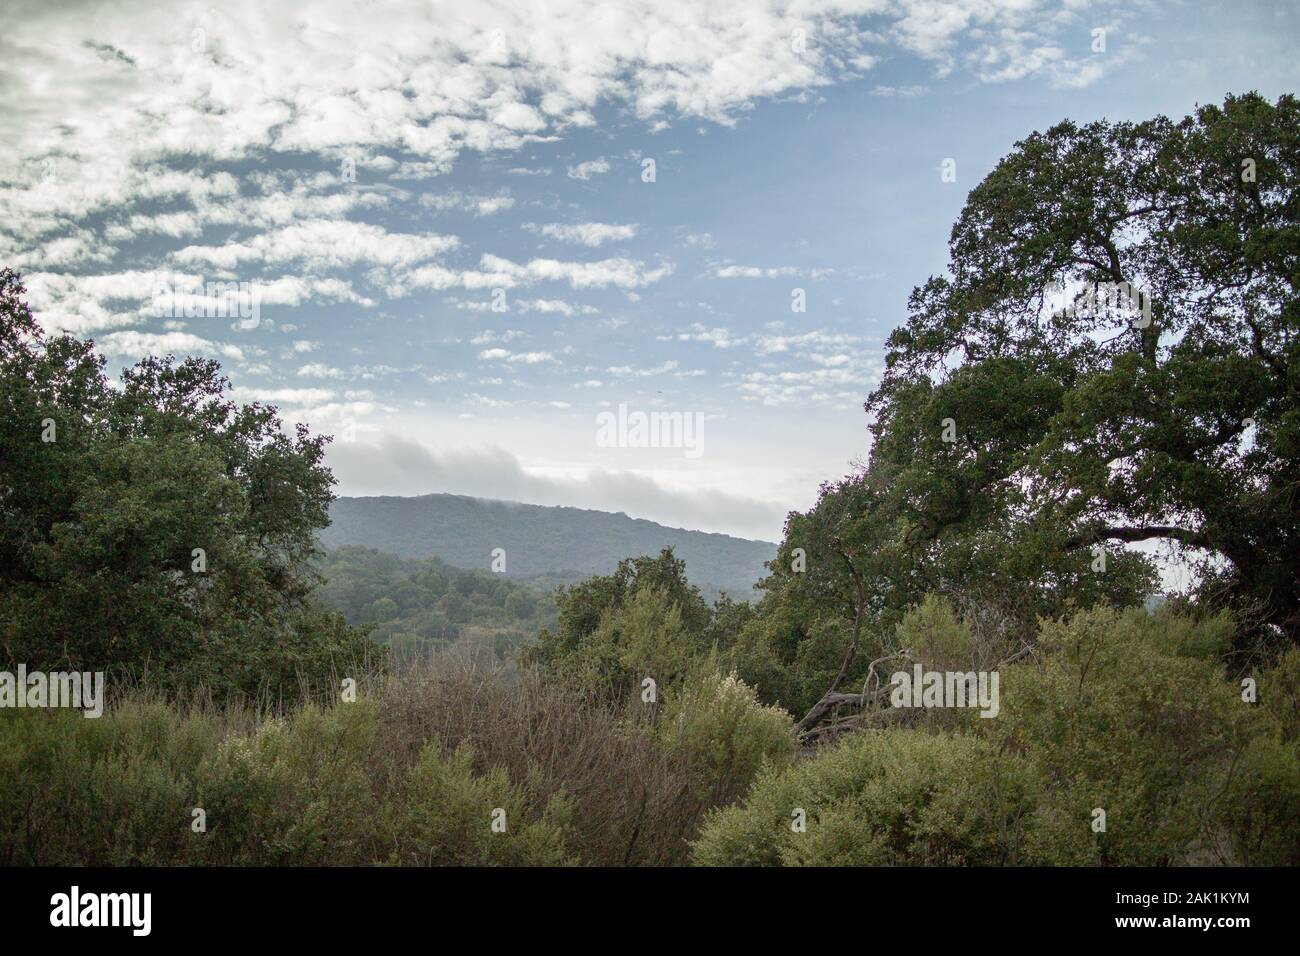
[415, 606]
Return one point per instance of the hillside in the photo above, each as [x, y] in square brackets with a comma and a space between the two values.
[557, 543]
[417, 604]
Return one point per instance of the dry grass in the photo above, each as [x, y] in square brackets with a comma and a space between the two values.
[634, 803]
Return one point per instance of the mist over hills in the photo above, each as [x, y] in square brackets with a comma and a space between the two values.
[551, 543]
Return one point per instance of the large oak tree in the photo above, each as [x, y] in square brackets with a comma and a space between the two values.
[1081, 419]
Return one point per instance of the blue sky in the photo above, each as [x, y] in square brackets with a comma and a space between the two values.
[796, 146]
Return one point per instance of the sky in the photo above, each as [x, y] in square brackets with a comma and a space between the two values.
[457, 234]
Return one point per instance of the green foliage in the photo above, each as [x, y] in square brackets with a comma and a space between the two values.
[107, 496]
[1125, 711]
[445, 817]
[644, 620]
[302, 789]
[115, 791]
[789, 659]
[899, 798]
[1014, 434]
[295, 790]
[1080, 422]
[1120, 711]
[935, 637]
[1124, 714]
[645, 638]
[417, 606]
[850, 569]
[720, 730]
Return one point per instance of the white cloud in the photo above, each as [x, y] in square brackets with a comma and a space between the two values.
[488, 337]
[286, 396]
[631, 371]
[430, 78]
[903, 91]
[80, 248]
[769, 272]
[140, 344]
[589, 168]
[591, 234]
[720, 337]
[320, 370]
[321, 245]
[515, 358]
[104, 116]
[497, 272]
[480, 205]
[621, 273]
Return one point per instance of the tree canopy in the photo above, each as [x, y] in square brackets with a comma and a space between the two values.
[155, 525]
[1115, 344]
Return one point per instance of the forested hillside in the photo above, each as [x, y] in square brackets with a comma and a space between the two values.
[417, 605]
[566, 543]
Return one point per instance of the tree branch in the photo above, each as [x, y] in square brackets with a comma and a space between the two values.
[1141, 533]
[820, 708]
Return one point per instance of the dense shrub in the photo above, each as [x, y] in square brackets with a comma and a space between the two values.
[718, 728]
[444, 814]
[902, 797]
[295, 790]
[114, 791]
[411, 773]
[1126, 712]
[1132, 713]
[640, 792]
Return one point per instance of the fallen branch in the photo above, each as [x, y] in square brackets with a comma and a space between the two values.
[814, 716]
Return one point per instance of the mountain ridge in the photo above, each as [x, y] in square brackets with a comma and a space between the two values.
[539, 540]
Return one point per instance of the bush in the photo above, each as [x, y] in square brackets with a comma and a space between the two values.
[1129, 712]
[1124, 711]
[645, 637]
[637, 799]
[296, 790]
[114, 791]
[446, 811]
[716, 726]
[902, 797]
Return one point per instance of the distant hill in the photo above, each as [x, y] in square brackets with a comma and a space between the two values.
[541, 542]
